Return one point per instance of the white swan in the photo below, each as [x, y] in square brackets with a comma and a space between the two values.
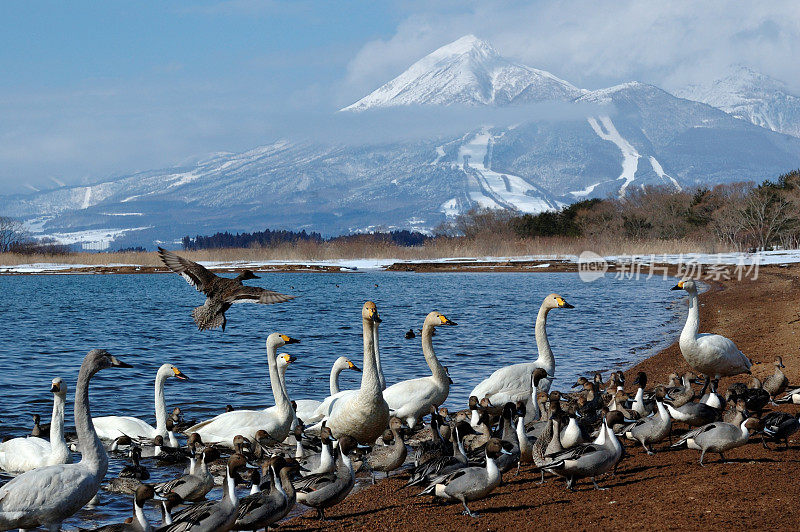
[48, 495]
[362, 415]
[112, 427]
[513, 383]
[411, 399]
[23, 454]
[276, 420]
[710, 354]
[307, 408]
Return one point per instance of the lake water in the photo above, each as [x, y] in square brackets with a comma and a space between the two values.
[51, 322]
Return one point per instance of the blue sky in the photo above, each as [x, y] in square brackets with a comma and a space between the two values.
[96, 89]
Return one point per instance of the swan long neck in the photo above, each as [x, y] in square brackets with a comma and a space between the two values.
[57, 443]
[93, 453]
[375, 336]
[161, 405]
[275, 381]
[692, 320]
[336, 370]
[545, 360]
[370, 380]
[439, 373]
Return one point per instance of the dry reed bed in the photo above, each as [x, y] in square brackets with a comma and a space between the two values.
[437, 249]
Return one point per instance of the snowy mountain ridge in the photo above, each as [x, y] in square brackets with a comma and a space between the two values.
[752, 96]
[637, 135]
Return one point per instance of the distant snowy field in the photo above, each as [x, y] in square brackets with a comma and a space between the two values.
[746, 259]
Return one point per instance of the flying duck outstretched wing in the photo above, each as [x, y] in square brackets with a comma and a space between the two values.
[254, 294]
[195, 274]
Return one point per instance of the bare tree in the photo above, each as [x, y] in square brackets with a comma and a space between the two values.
[12, 233]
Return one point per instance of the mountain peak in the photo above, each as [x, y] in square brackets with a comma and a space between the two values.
[463, 45]
[750, 95]
[467, 71]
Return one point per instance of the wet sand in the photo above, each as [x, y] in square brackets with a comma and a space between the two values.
[757, 489]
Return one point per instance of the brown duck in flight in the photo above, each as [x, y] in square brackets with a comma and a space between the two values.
[221, 292]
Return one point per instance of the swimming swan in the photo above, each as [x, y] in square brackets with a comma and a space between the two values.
[48, 495]
[710, 354]
[276, 420]
[307, 408]
[410, 400]
[363, 415]
[513, 383]
[23, 454]
[112, 427]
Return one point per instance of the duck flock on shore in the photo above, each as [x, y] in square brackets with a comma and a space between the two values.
[309, 451]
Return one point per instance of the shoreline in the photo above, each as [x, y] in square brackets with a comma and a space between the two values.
[757, 486]
[627, 265]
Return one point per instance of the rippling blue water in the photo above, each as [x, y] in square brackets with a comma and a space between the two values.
[51, 322]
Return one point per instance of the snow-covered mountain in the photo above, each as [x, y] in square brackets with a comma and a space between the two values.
[636, 135]
[751, 96]
[467, 72]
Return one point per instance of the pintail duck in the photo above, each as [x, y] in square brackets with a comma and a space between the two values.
[737, 413]
[792, 396]
[195, 485]
[139, 523]
[693, 414]
[327, 490]
[443, 465]
[392, 455]
[755, 397]
[265, 508]
[776, 383]
[779, 426]
[212, 515]
[129, 478]
[652, 429]
[470, 483]
[718, 437]
[40, 430]
[221, 292]
[589, 460]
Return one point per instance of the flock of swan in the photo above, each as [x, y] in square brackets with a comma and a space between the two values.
[309, 451]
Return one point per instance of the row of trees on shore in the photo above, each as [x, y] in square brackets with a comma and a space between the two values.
[737, 216]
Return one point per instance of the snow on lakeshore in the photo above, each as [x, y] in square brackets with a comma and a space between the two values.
[762, 258]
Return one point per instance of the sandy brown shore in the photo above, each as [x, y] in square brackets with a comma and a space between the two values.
[758, 489]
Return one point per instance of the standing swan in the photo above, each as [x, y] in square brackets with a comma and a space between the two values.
[363, 415]
[276, 421]
[48, 495]
[23, 454]
[410, 400]
[710, 354]
[306, 408]
[513, 383]
[112, 427]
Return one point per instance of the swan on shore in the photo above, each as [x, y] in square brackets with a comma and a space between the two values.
[112, 427]
[276, 420]
[412, 399]
[710, 354]
[23, 454]
[513, 383]
[48, 495]
[362, 414]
